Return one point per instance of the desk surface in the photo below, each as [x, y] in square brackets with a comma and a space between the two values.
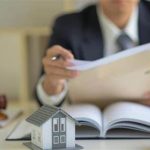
[87, 144]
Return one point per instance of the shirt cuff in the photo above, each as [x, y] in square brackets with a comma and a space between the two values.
[50, 99]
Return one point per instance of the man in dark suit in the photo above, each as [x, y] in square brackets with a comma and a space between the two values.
[89, 35]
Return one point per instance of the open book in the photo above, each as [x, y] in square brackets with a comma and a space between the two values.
[124, 75]
[118, 120]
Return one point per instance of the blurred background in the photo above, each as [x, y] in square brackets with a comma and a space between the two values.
[25, 26]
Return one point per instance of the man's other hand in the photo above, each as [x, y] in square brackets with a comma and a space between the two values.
[145, 99]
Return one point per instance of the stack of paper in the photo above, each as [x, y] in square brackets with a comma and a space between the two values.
[21, 132]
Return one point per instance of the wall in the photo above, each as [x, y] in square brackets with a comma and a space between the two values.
[35, 13]
[28, 13]
[34, 19]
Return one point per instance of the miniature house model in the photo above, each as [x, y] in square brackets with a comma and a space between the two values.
[52, 128]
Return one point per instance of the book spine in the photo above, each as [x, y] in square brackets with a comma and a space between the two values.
[103, 132]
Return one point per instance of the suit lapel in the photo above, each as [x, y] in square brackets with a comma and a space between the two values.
[144, 24]
[92, 44]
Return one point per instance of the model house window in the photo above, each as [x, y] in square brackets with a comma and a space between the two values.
[55, 139]
[62, 124]
[33, 134]
[39, 137]
[62, 139]
[55, 124]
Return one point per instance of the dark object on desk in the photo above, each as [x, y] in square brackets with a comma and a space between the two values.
[3, 105]
[3, 102]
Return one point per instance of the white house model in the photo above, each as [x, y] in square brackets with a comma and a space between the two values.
[52, 128]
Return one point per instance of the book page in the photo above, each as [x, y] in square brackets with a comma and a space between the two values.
[128, 115]
[127, 134]
[86, 114]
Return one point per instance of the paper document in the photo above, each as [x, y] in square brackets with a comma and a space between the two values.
[122, 76]
[21, 132]
[85, 65]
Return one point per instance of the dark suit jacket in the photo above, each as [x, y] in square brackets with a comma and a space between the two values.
[81, 33]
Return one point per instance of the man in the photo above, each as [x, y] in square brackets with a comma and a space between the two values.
[88, 35]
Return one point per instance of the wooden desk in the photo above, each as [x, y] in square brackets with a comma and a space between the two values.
[87, 144]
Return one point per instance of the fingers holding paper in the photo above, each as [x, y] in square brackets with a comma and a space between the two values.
[55, 64]
[145, 99]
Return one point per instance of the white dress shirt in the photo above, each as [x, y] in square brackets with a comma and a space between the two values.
[110, 33]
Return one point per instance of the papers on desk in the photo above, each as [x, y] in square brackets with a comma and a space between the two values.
[122, 76]
[118, 120]
[12, 114]
[21, 132]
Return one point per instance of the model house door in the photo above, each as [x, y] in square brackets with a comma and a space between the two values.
[59, 132]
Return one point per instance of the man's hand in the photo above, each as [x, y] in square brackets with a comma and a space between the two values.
[55, 70]
[146, 99]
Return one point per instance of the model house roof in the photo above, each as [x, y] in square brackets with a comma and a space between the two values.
[44, 113]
